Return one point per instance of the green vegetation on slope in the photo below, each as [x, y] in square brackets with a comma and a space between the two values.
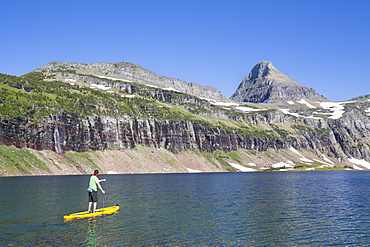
[15, 161]
[36, 99]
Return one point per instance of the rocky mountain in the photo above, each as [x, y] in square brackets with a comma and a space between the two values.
[266, 84]
[128, 72]
[67, 120]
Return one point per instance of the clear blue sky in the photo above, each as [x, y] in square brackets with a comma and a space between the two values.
[322, 44]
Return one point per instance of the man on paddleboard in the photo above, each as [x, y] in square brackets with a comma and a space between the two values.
[93, 189]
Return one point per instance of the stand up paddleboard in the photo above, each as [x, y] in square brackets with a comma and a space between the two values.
[87, 214]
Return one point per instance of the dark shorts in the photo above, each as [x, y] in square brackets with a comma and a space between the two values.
[93, 196]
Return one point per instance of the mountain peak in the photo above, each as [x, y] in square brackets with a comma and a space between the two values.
[267, 84]
[265, 69]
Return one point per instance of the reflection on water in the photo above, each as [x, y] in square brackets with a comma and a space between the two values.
[227, 209]
[91, 236]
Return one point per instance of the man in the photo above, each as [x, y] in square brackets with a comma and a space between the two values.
[93, 189]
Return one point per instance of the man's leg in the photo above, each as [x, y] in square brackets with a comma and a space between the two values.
[95, 203]
[89, 206]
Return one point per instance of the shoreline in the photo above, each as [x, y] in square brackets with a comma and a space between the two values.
[149, 160]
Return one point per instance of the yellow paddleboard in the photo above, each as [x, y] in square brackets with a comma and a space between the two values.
[86, 214]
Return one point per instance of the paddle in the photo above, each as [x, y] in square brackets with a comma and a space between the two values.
[105, 192]
[103, 200]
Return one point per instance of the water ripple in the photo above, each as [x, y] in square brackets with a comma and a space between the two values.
[227, 209]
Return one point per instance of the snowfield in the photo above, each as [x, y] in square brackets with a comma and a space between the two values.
[336, 108]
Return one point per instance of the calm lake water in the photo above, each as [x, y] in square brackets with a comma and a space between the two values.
[322, 208]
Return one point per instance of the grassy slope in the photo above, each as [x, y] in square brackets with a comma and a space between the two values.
[18, 162]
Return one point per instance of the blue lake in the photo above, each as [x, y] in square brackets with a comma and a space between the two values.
[321, 208]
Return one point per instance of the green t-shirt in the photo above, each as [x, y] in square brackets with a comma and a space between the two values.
[93, 183]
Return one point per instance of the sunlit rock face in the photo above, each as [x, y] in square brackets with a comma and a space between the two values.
[130, 72]
[68, 132]
[265, 84]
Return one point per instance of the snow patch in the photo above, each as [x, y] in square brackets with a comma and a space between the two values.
[224, 103]
[112, 172]
[227, 104]
[357, 168]
[302, 101]
[71, 81]
[112, 78]
[248, 109]
[287, 111]
[290, 102]
[171, 89]
[368, 110]
[193, 171]
[336, 107]
[242, 168]
[281, 165]
[327, 159]
[325, 163]
[362, 162]
[128, 95]
[102, 87]
[304, 159]
[221, 103]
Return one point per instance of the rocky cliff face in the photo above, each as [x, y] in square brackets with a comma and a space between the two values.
[339, 139]
[130, 72]
[66, 132]
[266, 84]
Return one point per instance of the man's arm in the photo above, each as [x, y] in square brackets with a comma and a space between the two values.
[101, 188]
